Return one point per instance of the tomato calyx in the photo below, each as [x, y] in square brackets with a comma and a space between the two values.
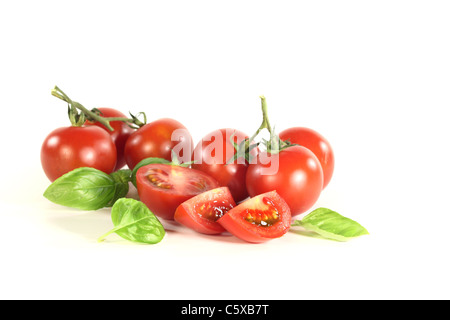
[273, 145]
[78, 114]
[243, 150]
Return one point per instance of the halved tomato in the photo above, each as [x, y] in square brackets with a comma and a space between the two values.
[163, 187]
[258, 219]
[201, 212]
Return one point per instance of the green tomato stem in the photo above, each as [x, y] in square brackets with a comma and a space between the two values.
[276, 144]
[265, 123]
[57, 92]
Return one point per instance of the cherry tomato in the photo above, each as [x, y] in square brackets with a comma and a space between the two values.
[201, 212]
[120, 134]
[157, 139]
[258, 219]
[68, 148]
[315, 142]
[295, 173]
[163, 187]
[212, 154]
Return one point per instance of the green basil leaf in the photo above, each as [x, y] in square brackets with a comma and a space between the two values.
[135, 222]
[83, 188]
[121, 179]
[144, 163]
[330, 224]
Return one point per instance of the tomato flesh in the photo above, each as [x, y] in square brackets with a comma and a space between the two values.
[258, 219]
[265, 218]
[164, 187]
[201, 212]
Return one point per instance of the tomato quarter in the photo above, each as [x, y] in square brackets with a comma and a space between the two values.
[201, 212]
[163, 187]
[258, 219]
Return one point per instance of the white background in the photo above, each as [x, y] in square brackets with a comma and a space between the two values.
[371, 76]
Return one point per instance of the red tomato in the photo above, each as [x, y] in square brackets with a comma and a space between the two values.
[120, 134]
[68, 148]
[163, 187]
[157, 139]
[315, 142]
[211, 155]
[295, 173]
[258, 219]
[201, 212]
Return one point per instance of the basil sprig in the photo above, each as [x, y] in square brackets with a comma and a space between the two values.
[88, 188]
[135, 222]
[330, 224]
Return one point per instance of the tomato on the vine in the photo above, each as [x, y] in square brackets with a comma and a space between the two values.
[212, 154]
[295, 173]
[119, 135]
[163, 187]
[158, 139]
[258, 219]
[315, 142]
[201, 212]
[68, 148]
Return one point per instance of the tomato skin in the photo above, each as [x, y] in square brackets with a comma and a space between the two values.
[298, 180]
[189, 213]
[68, 148]
[234, 220]
[155, 140]
[315, 142]
[173, 185]
[230, 175]
[120, 134]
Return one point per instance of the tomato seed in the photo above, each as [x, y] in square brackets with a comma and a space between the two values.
[264, 219]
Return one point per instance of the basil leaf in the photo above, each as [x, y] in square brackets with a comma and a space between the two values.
[330, 224]
[83, 188]
[121, 179]
[144, 163]
[135, 222]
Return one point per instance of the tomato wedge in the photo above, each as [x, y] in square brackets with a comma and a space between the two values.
[201, 212]
[163, 187]
[258, 219]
